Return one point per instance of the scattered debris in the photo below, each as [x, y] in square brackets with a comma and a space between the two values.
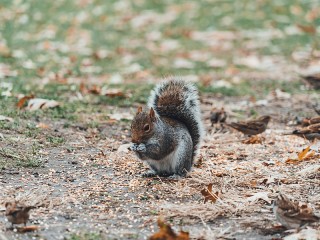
[166, 233]
[23, 100]
[260, 195]
[304, 155]
[254, 140]
[39, 103]
[120, 116]
[4, 118]
[292, 215]
[209, 195]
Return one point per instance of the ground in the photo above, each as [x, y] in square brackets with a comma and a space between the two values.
[99, 61]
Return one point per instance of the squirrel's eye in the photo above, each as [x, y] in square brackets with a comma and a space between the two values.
[146, 127]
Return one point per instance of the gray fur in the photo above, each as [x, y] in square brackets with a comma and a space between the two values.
[169, 151]
[178, 132]
[189, 113]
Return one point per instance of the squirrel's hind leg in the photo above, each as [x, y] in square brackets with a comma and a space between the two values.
[184, 157]
[149, 174]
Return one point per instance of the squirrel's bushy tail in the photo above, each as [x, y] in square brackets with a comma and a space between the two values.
[179, 100]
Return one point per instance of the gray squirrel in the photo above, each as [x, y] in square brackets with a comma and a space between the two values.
[168, 135]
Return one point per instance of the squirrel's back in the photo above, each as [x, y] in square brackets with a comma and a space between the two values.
[177, 99]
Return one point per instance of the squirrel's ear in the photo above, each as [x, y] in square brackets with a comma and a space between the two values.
[139, 110]
[152, 115]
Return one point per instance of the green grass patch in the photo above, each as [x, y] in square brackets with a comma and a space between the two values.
[13, 158]
[55, 140]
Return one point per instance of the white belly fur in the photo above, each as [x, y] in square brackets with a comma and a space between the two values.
[167, 164]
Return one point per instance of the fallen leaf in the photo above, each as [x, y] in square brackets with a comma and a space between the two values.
[27, 229]
[22, 100]
[216, 63]
[279, 94]
[307, 28]
[83, 89]
[94, 89]
[119, 116]
[166, 233]
[209, 195]
[4, 118]
[42, 125]
[305, 154]
[183, 63]
[39, 103]
[253, 140]
[113, 92]
[253, 183]
[260, 195]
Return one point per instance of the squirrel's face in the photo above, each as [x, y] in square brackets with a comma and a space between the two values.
[142, 126]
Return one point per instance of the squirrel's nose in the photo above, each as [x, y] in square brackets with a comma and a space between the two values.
[134, 139]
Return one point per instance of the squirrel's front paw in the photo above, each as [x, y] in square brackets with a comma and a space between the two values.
[141, 148]
[133, 147]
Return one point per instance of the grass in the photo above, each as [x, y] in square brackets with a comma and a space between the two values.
[50, 48]
[55, 140]
[12, 158]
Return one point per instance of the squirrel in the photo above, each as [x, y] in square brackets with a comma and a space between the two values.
[168, 135]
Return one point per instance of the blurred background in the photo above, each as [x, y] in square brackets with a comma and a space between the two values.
[50, 48]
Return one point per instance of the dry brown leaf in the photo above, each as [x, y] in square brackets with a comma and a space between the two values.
[94, 89]
[166, 233]
[307, 28]
[42, 125]
[22, 100]
[305, 154]
[253, 183]
[209, 195]
[27, 229]
[119, 116]
[83, 88]
[113, 92]
[253, 140]
[39, 103]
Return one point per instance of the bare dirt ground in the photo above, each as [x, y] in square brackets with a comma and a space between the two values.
[89, 185]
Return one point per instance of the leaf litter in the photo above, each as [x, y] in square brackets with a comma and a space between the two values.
[85, 189]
